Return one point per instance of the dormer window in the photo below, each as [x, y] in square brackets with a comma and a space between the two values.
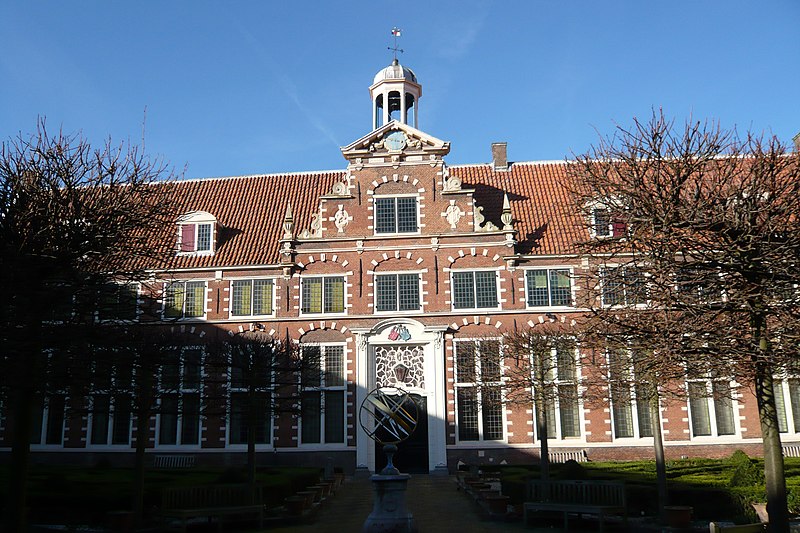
[196, 233]
[606, 222]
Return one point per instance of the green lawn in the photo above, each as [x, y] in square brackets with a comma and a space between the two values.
[717, 489]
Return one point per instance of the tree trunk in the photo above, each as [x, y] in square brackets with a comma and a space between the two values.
[777, 507]
[142, 437]
[773, 455]
[252, 418]
[16, 503]
[541, 431]
[658, 448]
[142, 429]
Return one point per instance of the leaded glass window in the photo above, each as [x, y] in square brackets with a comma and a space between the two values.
[474, 290]
[478, 396]
[185, 299]
[397, 292]
[711, 408]
[322, 402]
[549, 287]
[396, 214]
[180, 384]
[322, 294]
[251, 297]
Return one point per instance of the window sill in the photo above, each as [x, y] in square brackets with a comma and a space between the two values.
[195, 254]
[397, 234]
[475, 309]
[311, 446]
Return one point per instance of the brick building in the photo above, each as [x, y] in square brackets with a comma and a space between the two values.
[403, 270]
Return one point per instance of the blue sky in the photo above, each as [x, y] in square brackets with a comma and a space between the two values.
[246, 87]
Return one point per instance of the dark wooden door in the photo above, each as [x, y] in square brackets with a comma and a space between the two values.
[412, 453]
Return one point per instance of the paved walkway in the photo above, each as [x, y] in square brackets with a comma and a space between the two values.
[433, 500]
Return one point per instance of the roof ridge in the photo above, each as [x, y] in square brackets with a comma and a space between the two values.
[510, 163]
[251, 176]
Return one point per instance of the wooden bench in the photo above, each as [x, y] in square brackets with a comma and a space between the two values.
[173, 461]
[600, 498]
[579, 456]
[713, 527]
[212, 501]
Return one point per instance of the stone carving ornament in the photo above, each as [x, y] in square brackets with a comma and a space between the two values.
[453, 214]
[341, 219]
[410, 359]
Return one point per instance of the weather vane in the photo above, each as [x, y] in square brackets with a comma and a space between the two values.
[395, 34]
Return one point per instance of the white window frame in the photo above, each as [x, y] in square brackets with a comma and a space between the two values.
[197, 219]
[231, 296]
[710, 400]
[477, 386]
[792, 418]
[179, 393]
[321, 389]
[473, 271]
[112, 412]
[396, 220]
[633, 402]
[624, 304]
[303, 280]
[416, 273]
[235, 389]
[137, 289]
[549, 306]
[553, 380]
[169, 284]
[42, 442]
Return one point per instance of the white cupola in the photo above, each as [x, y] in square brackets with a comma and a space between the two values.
[395, 95]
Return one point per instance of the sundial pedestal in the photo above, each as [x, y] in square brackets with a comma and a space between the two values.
[389, 513]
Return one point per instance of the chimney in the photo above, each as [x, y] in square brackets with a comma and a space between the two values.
[796, 140]
[499, 156]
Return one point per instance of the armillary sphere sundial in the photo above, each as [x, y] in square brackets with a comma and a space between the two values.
[388, 416]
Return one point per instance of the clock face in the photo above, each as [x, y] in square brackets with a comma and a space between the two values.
[395, 140]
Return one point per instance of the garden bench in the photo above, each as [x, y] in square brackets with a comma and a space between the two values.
[212, 501]
[579, 456]
[173, 461]
[600, 498]
[713, 527]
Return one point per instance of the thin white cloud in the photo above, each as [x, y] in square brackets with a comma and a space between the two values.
[464, 32]
[288, 86]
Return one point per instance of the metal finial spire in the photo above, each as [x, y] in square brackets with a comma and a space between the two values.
[395, 49]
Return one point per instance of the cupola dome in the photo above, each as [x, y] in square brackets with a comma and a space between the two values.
[395, 71]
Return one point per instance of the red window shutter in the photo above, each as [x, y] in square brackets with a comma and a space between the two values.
[619, 227]
[187, 238]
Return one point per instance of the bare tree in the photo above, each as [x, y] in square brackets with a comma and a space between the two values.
[72, 219]
[695, 247]
[258, 378]
[541, 365]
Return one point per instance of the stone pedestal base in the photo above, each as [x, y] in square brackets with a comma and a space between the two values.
[389, 513]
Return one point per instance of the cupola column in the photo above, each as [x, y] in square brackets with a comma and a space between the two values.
[391, 84]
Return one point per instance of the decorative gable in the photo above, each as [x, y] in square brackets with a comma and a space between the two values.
[393, 143]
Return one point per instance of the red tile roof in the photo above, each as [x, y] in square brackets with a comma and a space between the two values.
[250, 209]
[545, 221]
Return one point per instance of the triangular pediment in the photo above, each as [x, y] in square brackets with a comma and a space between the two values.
[395, 139]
